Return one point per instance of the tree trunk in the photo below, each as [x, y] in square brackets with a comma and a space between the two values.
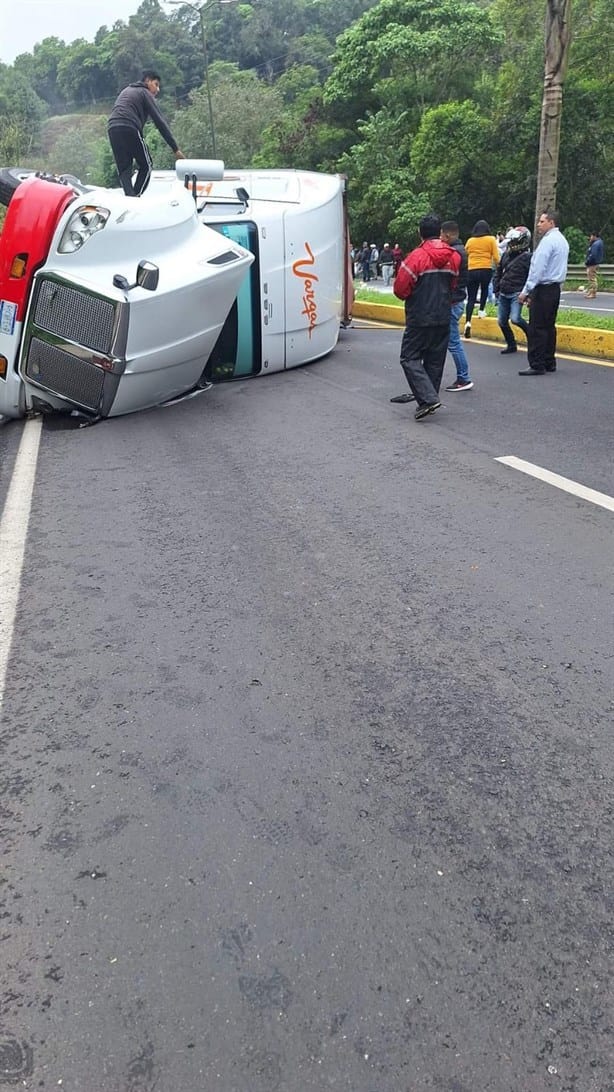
[557, 40]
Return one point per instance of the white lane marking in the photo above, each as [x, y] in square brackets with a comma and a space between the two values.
[567, 484]
[578, 305]
[13, 532]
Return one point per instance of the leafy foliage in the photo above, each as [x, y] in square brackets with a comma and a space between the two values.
[424, 104]
[240, 101]
[412, 52]
[21, 116]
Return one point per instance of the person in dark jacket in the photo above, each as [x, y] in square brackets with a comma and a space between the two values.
[509, 279]
[364, 261]
[397, 255]
[386, 261]
[426, 280]
[594, 258]
[135, 105]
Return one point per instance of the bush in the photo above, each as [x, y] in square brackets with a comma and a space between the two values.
[578, 244]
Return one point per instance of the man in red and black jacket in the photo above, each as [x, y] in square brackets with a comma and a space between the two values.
[425, 280]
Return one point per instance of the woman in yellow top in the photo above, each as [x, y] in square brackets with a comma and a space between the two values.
[482, 260]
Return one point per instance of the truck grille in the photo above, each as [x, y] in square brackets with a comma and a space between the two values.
[75, 315]
[64, 374]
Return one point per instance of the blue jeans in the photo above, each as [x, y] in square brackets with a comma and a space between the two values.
[455, 345]
[510, 309]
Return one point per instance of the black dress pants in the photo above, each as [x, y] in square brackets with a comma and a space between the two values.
[541, 339]
[128, 147]
[423, 355]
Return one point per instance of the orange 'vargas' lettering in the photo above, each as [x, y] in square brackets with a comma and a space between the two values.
[310, 307]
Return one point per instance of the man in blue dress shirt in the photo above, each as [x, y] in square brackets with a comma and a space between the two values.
[542, 290]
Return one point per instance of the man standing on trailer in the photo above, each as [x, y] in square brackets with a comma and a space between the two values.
[135, 105]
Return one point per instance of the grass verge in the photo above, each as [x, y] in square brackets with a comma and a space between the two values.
[568, 316]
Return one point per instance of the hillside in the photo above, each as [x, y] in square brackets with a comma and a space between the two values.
[55, 129]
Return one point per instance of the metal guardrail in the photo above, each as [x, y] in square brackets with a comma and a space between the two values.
[578, 272]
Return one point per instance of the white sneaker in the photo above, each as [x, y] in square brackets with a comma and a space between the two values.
[481, 314]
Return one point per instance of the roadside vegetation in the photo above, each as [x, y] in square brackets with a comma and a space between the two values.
[423, 104]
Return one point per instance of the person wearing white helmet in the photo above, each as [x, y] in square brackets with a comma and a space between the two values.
[510, 277]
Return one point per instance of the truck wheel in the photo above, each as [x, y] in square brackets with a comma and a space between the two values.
[10, 179]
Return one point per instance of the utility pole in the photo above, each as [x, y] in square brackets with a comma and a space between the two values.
[557, 41]
[200, 11]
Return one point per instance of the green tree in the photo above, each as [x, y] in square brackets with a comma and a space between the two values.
[171, 43]
[577, 244]
[303, 137]
[312, 49]
[241, 103]
[412, 54]
[40, 68]
[383, 195]
[266, 31]
[456, 162]
[22, 113]
[124, 49]
[84, 74]
[335, 16]
[399, 61]
[586, 163]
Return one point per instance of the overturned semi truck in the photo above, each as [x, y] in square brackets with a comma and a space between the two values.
[110, 304]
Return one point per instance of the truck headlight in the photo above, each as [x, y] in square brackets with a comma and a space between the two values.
[84, 223]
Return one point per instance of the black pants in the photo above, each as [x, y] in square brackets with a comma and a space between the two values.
[128, 146]
[477, 281]
[541, 339]
[423, 355]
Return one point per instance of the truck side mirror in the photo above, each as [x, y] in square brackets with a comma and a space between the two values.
[147, 276]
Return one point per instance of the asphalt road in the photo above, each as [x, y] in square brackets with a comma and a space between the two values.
[602, 304]
[307, 750]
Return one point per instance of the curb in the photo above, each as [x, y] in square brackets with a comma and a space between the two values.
[597, 344]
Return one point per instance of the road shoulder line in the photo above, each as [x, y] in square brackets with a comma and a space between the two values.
[566, 484]
[13, 533]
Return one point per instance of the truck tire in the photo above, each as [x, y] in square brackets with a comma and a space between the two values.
[10, 179]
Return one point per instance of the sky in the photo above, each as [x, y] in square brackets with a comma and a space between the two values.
[23, 23]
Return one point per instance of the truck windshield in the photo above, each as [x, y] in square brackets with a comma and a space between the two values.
[238, 350]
